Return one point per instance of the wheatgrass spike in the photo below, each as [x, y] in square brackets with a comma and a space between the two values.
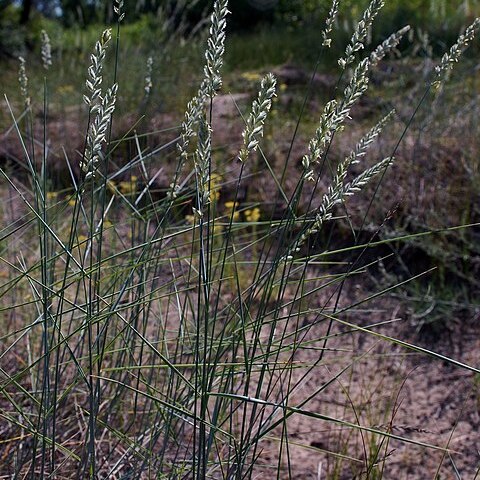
[23, 81]
[388, 45]
[332, 16]
[361, 33]
[450, 58]
[256, 120]
[46, 50]
[208, 88]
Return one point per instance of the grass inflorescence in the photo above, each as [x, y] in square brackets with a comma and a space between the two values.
[185, 331]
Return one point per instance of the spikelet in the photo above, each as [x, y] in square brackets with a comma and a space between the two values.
[361, 32]
[260, 108]
[208, 88]
[361, 148]
[94, 80]
[319, 142]
[387, 46]
[118, 9]
[338, 190]
[46, 50]
[364, 178]
[355, 89]
[98, 133]
[23, 81]
[193, 113]
[216, 47]
[366, 141]
[332, 15]
[449, 59]
[148, 76]
[336, 193]
[101, 107]
[334, 114]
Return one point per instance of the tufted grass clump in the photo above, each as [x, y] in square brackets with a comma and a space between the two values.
[181, 332]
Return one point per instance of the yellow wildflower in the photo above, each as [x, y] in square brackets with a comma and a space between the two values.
[82, 241]
[231, 206]
[215, 178]
[52, 195]
[128, 187]
[252, 215]
[215, 187]
[214, 195]
[72, 202]
[190, 219]
[217, 229]
[251, 76]
[65, 89]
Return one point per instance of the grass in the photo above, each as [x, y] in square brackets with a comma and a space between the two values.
[173, 312]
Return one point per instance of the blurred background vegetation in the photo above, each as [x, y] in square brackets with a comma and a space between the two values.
[262, 34]
[155, 20]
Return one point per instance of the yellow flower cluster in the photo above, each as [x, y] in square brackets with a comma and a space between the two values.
[126, 187]
[251, 76]
[231, 208]
[252, 215]
[217, 229]
[52, 195]
[215, 187]
[65, 89]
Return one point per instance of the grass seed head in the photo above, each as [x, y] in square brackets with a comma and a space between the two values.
[118, 9]
[361, 33]
[216, 47]
[450, 58]
[261, 106]
[46, 50]
[23, 81]
[202, 159]
[209, 87]
[388, 45]
[97, 134]
[148, 77]
[332, 15]
[94, 75]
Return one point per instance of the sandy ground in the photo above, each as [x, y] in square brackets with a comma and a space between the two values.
[411, 395]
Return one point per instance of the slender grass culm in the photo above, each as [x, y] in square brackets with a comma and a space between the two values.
[186, 332]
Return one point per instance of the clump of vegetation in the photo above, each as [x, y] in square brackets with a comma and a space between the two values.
[178, 329]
